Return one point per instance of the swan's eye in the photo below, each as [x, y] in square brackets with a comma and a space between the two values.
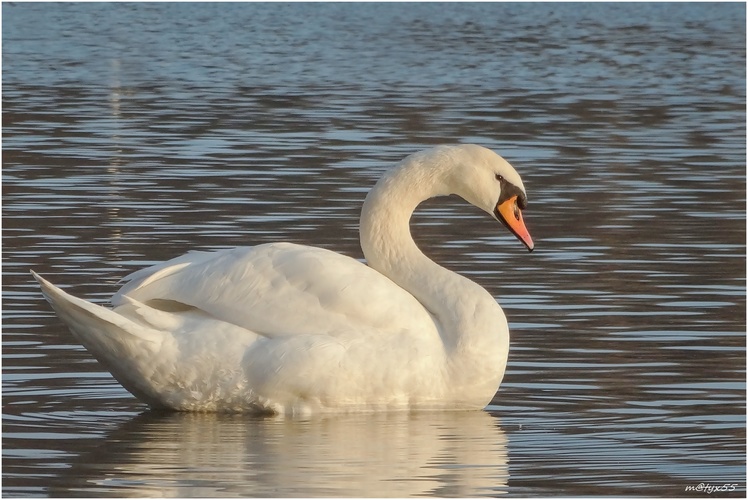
[499, 177]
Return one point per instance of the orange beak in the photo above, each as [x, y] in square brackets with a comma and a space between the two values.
[510, 215]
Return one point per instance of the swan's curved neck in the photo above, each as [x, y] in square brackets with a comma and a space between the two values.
[459, 305]
[385, 230]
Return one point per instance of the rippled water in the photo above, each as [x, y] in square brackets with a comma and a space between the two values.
[135, 132]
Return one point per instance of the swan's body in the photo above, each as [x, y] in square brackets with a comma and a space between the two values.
[294, 329]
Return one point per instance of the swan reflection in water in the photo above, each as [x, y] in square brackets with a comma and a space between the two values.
[396, 454]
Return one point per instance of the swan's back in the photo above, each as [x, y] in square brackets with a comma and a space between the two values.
[283, 289]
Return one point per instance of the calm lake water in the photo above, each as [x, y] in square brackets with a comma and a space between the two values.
[135, 132]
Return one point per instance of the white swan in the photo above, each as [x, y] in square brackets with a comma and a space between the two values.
[292, 329]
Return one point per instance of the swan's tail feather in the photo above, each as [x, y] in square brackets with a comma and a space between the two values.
[127, 349]
[99, 329]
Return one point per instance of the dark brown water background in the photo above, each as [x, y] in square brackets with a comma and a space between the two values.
[133, 133]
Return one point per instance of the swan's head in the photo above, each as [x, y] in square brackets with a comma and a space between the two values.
[489, 182]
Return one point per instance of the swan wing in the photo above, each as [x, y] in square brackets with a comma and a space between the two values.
[282, 289]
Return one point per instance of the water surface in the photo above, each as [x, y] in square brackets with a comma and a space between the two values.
[133, 133]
